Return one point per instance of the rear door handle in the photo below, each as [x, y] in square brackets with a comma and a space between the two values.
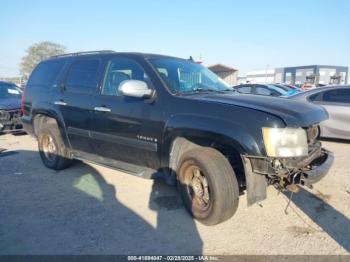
[102, 109]
[61, 103]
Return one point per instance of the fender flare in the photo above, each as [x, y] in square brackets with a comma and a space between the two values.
[47, 110]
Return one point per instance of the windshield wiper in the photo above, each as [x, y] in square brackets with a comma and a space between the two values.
[203, 90]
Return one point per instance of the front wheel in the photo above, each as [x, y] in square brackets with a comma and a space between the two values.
[208, 185]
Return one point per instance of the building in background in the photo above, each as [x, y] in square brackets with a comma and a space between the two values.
[313, 74]
[241, 80]
[227, 73]
[299, 75]
[264, 76]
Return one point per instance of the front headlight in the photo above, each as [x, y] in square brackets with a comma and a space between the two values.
[285, 142]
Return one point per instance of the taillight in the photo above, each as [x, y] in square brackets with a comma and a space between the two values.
[22, 101]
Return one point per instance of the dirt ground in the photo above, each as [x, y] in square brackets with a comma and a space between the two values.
[88, 209]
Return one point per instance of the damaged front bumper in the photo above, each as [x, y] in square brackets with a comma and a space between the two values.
[285, 172]
[315, 174]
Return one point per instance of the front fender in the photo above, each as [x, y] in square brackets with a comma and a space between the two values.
[243, 140]
[227, 132]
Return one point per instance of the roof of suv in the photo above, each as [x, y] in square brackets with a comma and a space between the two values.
[109, 53]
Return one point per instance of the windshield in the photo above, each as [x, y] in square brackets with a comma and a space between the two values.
[9, 91]
[187, 77]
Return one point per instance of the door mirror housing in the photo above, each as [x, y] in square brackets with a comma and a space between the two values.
[135, 88]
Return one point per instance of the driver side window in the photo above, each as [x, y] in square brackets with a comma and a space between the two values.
[119, 70]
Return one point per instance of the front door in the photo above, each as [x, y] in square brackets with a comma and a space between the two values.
[125, 128]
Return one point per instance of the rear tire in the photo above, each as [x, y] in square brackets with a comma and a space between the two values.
[52, 149]
[208, 185]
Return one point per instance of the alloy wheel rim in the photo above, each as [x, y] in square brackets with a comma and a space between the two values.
[197, 187]
[49, 148]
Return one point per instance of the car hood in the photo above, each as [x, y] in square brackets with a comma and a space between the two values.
[10, 103]
[293, 113]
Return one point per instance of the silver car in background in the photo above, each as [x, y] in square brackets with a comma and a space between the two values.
[336, 100]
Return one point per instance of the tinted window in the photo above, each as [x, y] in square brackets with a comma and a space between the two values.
[337, 96]
[119, 70]
[263, 91]
[46, 73]
[83, 76]
[316, 97]
[245, 89]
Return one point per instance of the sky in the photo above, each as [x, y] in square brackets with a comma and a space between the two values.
[247, 35]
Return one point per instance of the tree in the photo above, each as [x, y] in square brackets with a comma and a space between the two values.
[39, 52]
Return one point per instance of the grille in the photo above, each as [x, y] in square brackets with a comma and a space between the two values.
[10, 116]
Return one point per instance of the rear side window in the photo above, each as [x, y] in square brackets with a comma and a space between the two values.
[245, 89]
[46, 73]
[83, 76]
[337, 96]
[263, 91]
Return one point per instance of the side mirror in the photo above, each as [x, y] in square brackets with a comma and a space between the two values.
[135, 88]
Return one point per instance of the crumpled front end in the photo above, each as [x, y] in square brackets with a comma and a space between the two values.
[286, 173]
[10, 121]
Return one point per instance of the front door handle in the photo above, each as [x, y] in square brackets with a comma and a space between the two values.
[61, 103]
[102, 109]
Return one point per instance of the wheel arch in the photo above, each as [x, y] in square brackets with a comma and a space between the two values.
[182, 142]
[41, 117]
[232, 140]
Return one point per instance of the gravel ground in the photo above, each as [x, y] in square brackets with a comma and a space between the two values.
[88, 209]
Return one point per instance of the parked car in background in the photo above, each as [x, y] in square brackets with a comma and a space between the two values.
[307, 86]
[10, 107]
[266, 89]
[336, 100]
[288, 86]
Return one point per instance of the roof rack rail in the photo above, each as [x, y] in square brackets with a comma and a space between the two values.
[84, 53]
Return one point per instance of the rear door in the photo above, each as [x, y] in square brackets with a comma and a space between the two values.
[75, 101]
[125, 128]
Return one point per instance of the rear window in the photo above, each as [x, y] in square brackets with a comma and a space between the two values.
[83, 76]
[46, 73]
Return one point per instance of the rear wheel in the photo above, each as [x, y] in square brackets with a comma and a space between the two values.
[52, 149]
[208, 185]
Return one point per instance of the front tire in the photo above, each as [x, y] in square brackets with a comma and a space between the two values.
[208, 185]
[52, 149]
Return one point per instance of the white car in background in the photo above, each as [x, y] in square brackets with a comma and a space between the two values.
[336, 100]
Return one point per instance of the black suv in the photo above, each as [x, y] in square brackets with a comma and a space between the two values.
[154, 115]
